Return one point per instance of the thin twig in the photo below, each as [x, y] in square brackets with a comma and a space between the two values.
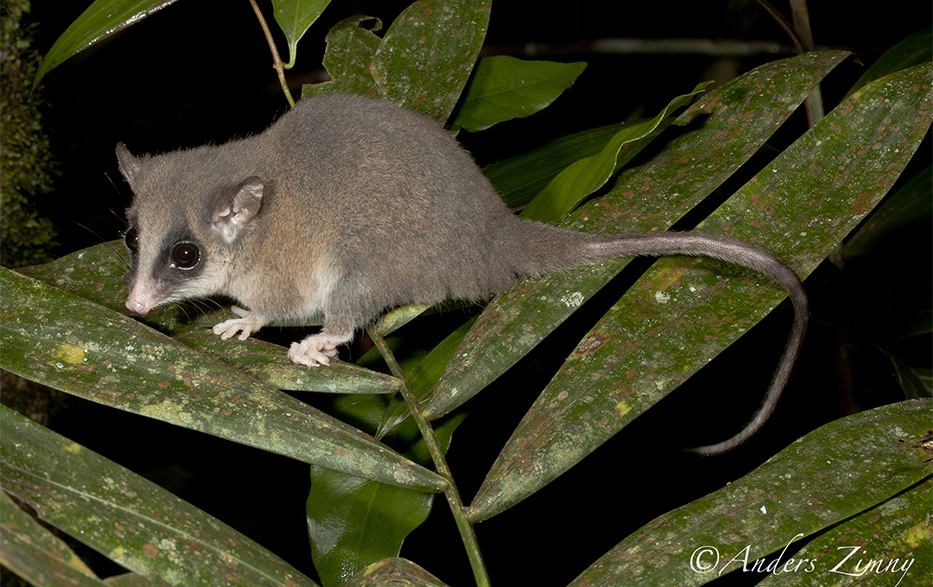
[276, 60]
[802, 37]
[779, 18]
[801, 18]
[440, 463]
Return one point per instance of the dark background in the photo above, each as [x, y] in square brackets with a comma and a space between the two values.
[200, 71]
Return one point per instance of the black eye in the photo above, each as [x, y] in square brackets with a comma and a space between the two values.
[132, 240]
[185, 255]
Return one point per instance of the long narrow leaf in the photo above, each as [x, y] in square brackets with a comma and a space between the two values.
[910, 208]
[130, 520]
[827, 477]
[37, 555]
[395, 571]
[892, 544]
[519, 179]
[102, 19]
[84, 349]
[680, 312]
[588, 174]
[650, 197]
[914, 50]
[98, 274]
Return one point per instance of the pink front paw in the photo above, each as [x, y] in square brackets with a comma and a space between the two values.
[247, 323]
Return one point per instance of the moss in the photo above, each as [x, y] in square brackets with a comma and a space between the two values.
[26, 164]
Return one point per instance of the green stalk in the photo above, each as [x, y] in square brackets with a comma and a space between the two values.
[440, 463]
[276, 60]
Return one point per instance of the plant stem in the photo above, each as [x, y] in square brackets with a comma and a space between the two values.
[801, 18]
[440, 463]
[802, 37]
[276, 60]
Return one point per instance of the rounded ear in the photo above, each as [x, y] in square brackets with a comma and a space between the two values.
[128, 163]
[236, 207]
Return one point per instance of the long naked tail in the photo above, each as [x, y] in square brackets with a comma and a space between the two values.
[663, 244]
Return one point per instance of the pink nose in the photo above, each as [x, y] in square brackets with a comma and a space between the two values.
[134, 306]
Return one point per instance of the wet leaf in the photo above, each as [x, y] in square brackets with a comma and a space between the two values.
[681, 313]
[130, 520]
[102, 19]
[503, 88]
[727, 125]
[78, 347]
[295, 17]
[828, 477]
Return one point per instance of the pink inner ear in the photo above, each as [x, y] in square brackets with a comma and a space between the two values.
[235, 207]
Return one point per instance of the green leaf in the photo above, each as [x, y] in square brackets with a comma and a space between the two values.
[81, 348]
[130, 520]
[585, 176]
[98, 274]
[270, 364]
[395, 571]
[423, 378]
[353, 522]
[914, 50]
[890, 544]
[503, 88]
[134, 580]
[519, 179]
[910, 381]
[37, 555]
[832, 474]
[295, 17]
[102, 19]
[681, 313]
[909, 208]
[347, 58]
[422, 63]
[915, 324]
[395, 319]
[650, 197]
[426, 56]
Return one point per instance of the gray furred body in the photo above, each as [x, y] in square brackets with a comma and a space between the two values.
[348, 206]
